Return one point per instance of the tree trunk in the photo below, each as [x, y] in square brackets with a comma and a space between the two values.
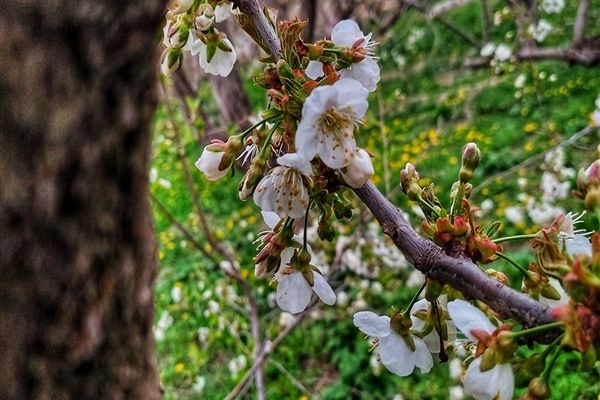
[76, 248]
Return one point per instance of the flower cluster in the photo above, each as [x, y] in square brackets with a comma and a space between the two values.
[190, 27]
[303, 152]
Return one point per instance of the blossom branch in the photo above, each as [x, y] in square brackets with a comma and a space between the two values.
[459, 273]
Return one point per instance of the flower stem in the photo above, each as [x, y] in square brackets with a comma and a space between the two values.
[256, 125]
[423, 202]
[546, 374]
[521, 269]
[536, 329]
[414, 300]
[306, 224]
[516, 237]
[267, 143]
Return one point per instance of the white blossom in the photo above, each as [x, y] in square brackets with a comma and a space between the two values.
[514, 215]
[502, 52]
[495, 383]
[282, 190]
[432, 339]
[347, 33]
[176, 294]
[574, 240]
[329, 117]
[455, 368]
[487, 205]
[163, 323]
[222, 61]
[487, 50]
[456, 393]
[199, 384]
[359, 170]
[520, 81]
[540, 30]
[294, 291]
[202, 333]
[553, 6]
[237, 364]
[395, 353]
[209, 163]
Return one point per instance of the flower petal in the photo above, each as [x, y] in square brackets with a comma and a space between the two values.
[352, 98]
[314, 70]
[467, 317]
[293, 292]
[579, 245]
[296, 161]
[366, 72]
[371, 324]
[487, 385]
[271, 218]
[323, 290]
[396, 355]
[345, 33]
[423, 358]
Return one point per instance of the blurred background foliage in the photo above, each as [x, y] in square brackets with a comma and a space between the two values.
[427, 107]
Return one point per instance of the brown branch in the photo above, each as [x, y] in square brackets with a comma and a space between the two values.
[419, 6]
[428, 258]
[253, 10]
[587, 56]
[580, 19]
[460, 273]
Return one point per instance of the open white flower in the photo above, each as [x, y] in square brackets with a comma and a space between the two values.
[495, 383]
[573, 239]
[360, 169]
[282, 190]
[553, 6]
[395, 353]
[540, 30]
[209, 163]
[294, 291]
[222, 61]
[329, 116]
[502, 52]
[432, 339]
[487, 50]
[347, 33]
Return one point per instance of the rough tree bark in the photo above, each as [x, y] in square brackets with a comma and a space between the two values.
[76, 249]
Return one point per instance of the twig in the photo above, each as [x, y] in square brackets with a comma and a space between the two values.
[417, 5]
[445, 6]
[527, 162]
[580, 19]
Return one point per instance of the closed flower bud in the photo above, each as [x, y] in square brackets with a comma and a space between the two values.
[213, 162]
[409, 178]
[171, 61]
[469, 162]
[537, 390]
[253, 176]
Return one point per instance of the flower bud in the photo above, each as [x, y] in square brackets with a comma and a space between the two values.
[214, 162]
[537, 390]
[409, 178]
[253, 176]
[171, 61]
[469, 162]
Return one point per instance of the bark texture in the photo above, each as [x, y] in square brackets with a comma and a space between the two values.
[76, 249]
